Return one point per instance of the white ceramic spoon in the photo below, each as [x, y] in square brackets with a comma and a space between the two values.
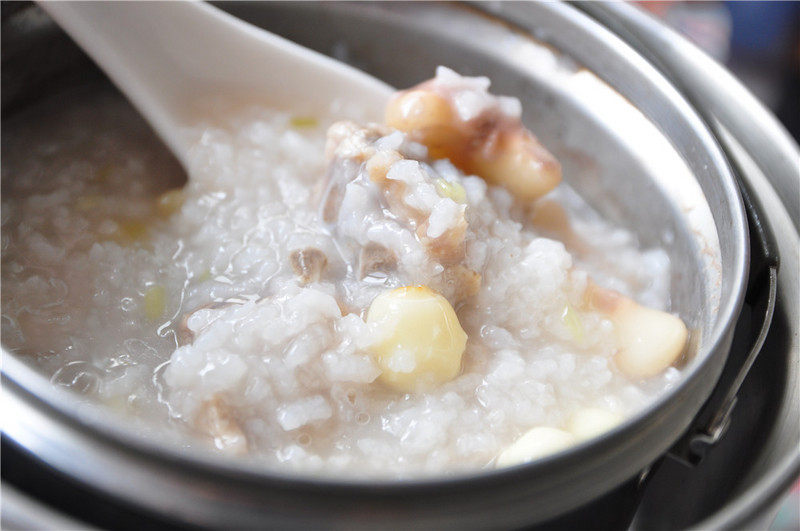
[169, 58]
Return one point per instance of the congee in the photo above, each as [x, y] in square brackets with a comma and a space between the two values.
[412, 298]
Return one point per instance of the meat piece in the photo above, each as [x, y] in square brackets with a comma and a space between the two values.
[375, 258]
[332, 196]
[349, 140]
[216, 419]
[450, 246]
[354, 153]
[409, 191]
[378, 165]
[184, 333]
[462, 282]
[348, 146]
[308, 264]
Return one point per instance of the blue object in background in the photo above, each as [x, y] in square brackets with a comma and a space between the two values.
[762, 28]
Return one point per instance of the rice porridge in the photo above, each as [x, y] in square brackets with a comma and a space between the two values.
[415, 298]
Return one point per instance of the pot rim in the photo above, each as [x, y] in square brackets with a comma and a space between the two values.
[103, 425]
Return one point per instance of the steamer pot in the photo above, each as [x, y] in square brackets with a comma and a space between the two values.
[629, 141]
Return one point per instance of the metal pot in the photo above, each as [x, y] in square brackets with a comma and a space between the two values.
[674, 190]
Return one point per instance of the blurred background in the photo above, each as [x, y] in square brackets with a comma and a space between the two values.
[759, 41]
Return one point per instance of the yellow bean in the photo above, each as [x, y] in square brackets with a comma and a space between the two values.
[520, 165]
[536, 443]
[420, 341]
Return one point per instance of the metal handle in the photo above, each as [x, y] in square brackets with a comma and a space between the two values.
[714, 418]
[711, 90]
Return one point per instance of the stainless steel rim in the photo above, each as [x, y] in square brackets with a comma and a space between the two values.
[22, 383]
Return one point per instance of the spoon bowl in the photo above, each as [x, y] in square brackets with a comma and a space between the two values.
[172, 58]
